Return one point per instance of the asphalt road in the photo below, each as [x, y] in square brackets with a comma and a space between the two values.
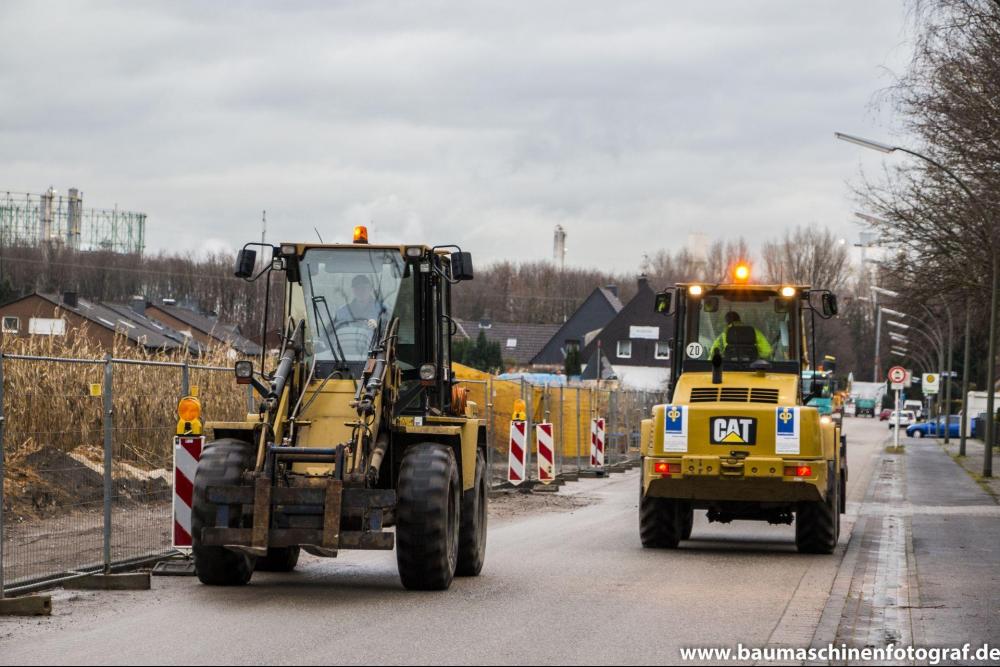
[572, 586]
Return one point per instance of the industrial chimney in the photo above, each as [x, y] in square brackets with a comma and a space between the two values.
[559, 247]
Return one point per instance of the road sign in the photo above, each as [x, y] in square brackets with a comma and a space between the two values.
[931, 383]
[899, 377]
[546, 453]
[516, 464]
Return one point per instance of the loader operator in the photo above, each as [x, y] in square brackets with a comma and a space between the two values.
[364, 307]
[733, 320]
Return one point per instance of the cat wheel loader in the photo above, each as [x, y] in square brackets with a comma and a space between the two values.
[360, 426]
[738, 438]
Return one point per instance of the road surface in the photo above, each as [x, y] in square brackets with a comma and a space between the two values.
[571, 586]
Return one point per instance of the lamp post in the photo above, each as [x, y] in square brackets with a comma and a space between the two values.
[941, 343]
[991, 354]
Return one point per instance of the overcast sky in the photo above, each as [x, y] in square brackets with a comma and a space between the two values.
[631, 124]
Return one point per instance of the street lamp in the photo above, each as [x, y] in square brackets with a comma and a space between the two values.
[991, 354]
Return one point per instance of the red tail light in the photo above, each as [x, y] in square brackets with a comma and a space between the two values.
[798, 471]
[665, 468]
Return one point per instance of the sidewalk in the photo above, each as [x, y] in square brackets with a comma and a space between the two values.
[973, 462]
[923, 565]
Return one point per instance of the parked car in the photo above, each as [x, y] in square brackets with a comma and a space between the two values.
[935, 427]
[906, 417]
[882, 416]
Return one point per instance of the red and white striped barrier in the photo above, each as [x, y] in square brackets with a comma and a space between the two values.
[516, 459]
[597, 442]
[546, 453]
[187, 453]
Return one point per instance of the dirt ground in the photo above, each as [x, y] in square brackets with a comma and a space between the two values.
[507, 504]
[45, 547]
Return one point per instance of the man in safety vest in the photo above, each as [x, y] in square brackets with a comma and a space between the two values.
[764, 350]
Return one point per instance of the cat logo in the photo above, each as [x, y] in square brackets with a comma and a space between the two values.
[734, 431]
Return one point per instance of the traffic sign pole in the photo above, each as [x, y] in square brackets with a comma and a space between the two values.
[899, 377]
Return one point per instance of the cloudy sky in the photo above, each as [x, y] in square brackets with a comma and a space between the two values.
[631, 124]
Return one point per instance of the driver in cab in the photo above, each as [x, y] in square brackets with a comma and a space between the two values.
[733, 319]
[364, 307]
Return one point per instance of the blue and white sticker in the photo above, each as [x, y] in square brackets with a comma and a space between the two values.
[675, 428]
[786, 438]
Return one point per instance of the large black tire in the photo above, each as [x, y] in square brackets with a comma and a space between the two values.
[687, 522]
[472, 529]
[428, 510]
[222, 464]
[278, 559]
[817, 524]
[661, 524]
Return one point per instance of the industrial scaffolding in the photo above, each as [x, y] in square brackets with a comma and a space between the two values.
[51, 219]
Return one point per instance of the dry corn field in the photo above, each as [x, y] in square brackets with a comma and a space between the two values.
[53, 436]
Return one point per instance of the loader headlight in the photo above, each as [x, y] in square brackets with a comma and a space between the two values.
[428, 372]
[244, 372]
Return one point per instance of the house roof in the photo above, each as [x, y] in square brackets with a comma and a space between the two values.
[211, 326]
[599, 308]
[125, 321]
[519, 343]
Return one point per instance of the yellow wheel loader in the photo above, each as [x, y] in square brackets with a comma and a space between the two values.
[360, 425]
[737, 438]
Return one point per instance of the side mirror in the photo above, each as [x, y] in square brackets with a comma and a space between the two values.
[829, 304]
[664, 302]
[461, 266]
[246, 260]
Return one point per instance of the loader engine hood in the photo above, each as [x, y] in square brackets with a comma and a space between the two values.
[751, 414]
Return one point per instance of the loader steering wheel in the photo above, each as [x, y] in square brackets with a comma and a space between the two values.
[346, 323]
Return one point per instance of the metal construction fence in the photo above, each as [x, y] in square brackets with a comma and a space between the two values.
[86, 452]
[86, 460]
[570, 410]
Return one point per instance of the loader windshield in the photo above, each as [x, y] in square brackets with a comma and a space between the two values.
[350, 296]
[742, 326]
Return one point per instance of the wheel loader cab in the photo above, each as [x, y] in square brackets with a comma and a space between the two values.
[743, 324]
[348, 296]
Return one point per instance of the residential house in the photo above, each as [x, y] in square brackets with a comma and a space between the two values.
[68, 315]
[635, 343]
[519, 343]
[206, 329]
[586, 322]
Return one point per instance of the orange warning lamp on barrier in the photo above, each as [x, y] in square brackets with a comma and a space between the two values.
[361, 234]
[519, 411]
[189, 416]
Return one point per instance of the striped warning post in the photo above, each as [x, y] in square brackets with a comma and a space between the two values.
[187, 453]
[546, 453]
[597, 442]
[516, 463]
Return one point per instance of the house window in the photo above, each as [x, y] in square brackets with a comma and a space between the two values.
[11, 324]
[662, 350]
[511, 343]
[47, 326]
[624, 349]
